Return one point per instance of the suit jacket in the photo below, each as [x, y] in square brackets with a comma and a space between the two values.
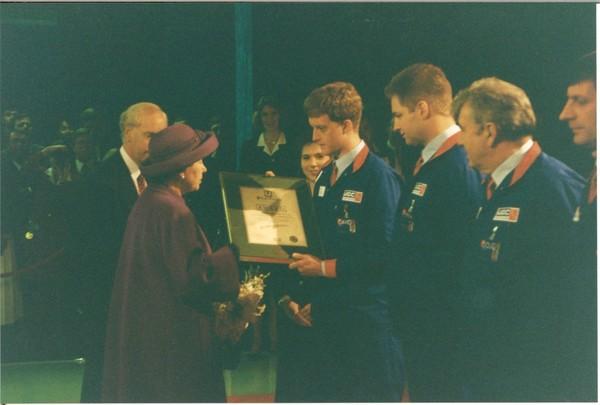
[360, 359]
[518, 287]
[108, 197]
[444, 196]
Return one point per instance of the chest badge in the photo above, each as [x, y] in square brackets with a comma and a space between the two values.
[346, 224]
[507, 214]
[408, 218]
[321, 192]
[420, 189]
[352, 196]
[577, 215]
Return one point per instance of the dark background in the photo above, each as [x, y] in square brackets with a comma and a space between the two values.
[57, 59]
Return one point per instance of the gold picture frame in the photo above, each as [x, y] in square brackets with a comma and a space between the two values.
[269, 218]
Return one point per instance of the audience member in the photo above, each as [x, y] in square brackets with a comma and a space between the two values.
[84, 151]
[31, 224]
[432, 227]
[515, 290]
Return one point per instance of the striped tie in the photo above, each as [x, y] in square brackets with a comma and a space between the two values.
[141, 183]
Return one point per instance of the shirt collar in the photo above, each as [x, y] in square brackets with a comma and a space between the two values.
[511, 163]
[134, 169]
[346, 160]
[261, 143]
[433, 145]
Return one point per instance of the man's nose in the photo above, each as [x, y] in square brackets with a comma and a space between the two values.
[566, 113]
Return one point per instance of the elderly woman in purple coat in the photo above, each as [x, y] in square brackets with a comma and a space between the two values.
[160, 343]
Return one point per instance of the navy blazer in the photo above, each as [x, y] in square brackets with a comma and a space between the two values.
[517, 286]
[428, 252]
[360, 359]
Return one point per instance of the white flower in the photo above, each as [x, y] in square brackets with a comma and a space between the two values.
[232, 318]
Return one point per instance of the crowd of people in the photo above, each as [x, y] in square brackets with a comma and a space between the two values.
[459, 258]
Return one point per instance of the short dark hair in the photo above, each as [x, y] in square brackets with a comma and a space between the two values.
[421, 81]
[338, 100]
[584, 69]
[503, 103]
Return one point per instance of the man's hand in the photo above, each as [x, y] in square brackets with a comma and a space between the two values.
[269, 173]
[299, 316]
[307, 265]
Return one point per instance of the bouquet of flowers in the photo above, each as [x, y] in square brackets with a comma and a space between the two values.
[232, 318]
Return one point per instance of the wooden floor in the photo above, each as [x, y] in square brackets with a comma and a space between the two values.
[60, 381]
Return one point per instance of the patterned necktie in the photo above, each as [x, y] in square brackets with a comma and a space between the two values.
[490, 187]
[334, 174]
[141, 183]
[418, 166]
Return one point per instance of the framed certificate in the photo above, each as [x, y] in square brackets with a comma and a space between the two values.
[269, 218]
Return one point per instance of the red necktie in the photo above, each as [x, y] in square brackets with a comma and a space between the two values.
[490, 187]
[334, 173]
[141, 182]
[593, 187]
[418, 166]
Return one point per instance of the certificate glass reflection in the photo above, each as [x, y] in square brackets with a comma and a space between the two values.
[272, 216]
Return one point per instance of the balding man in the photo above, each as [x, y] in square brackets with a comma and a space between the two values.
[517, 279]
[112, 193]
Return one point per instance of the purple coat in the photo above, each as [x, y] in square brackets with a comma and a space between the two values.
[160, 342]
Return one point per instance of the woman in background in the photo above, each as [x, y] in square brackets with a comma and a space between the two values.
[297, 351]
[271, 150]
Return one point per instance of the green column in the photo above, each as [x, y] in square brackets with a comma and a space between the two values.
[243, 75]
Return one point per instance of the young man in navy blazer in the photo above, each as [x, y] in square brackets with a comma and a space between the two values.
[432, 223]
[356, 198]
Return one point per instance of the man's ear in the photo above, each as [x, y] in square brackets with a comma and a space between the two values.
[423, 109]
[347, 126]
[490, 130]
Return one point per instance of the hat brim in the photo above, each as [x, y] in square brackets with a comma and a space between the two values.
[210, 144]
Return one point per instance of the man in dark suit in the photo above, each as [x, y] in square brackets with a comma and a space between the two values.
[112, 191]
[433, 218]
[519, 272]
[356, 198]
[580, 113]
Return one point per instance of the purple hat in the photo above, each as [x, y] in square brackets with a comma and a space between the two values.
[176, 147]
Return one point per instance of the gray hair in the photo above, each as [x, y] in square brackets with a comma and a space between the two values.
[131, 116]
[495, 100]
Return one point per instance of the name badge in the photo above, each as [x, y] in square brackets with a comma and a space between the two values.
[420, 189]
[352, 196]
[507, 214]
[321, 192]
